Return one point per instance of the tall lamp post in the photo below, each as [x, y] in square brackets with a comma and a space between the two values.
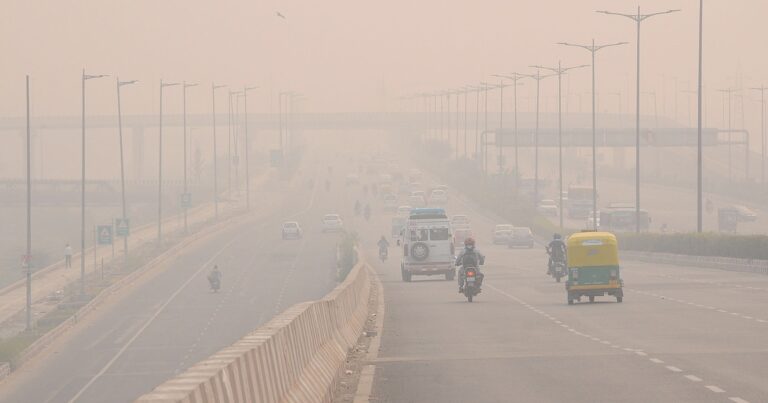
[699, 145]
[85, 77]
[638, 19]
[559, 71]
[185, 197]
[538, 77]
[214, 87]
[160, 167]
[762, 90]
[515, 77]
[247, 164]
[122, 161]
[592, 50]
[28, 256]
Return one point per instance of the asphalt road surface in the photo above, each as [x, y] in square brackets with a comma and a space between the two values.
[165, 324]
[681, 334]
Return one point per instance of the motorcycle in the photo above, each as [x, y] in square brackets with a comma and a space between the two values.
[383, 254]
[215, 284]
[471, 283]
[558, 270]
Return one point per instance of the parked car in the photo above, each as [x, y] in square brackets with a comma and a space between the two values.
[520, 236]
[548, 207]
[292, 230]
[332, 223]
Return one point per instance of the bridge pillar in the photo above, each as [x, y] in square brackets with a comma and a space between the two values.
[137, 152]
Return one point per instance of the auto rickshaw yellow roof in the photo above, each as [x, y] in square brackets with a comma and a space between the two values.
[590, 248]
[578, 237]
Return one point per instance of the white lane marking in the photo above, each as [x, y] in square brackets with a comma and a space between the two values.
[641, 353]
[150, 320]
[656, 361]
[737, 400]
[715, 389]
[693, 378]
[674, 369]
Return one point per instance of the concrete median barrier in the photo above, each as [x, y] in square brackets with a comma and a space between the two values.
[295, 357]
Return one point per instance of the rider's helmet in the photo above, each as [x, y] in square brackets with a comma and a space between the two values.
[469, 242]
[557, 236]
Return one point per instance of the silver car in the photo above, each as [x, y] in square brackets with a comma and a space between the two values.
[332, 223]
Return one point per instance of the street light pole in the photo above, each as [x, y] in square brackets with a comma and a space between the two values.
[514, 77]
[85, 77]
[214, 87]
[638, 18]
[593, 50]
[247, 164]
[538, 77]
[728, 92]
[160, 168]
[762, 90]
[122, 161]
[184, 113]
[559, 71]
[28, 257]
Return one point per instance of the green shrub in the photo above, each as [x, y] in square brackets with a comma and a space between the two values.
[347, 254]
[698, 244]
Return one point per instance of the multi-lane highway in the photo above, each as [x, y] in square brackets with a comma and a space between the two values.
[170, 320]
[681, 335]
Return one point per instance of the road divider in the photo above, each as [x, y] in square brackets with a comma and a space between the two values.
[295, 357]
[713, 262]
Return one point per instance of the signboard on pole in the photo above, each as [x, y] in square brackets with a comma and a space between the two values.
[104, 234]
[122, 226]
[25, 261]
[186, 200]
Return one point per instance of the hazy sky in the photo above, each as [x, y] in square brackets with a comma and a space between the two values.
[359, 54]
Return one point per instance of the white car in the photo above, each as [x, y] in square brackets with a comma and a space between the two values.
[438, 197]
[502, 236]
[459, 221]
[548, 207]
[404, 211]
[292, 230]
[332, 223]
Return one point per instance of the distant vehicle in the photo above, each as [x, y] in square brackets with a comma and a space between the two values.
[415, 187]
[404, 211]
[417, 201]
[590, 220]
[390, 202]
[292, 230]
[745, 214]
[520, 236]
[444, 188]
[352, 179]
[580, 200]
[503, 227]
[438, 197]
[501, 237]
[623, 219]
[332, 223]
[459, 236]
[427, 245]
[460, 221]
[548, 207]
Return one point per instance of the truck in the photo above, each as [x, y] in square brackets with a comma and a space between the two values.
[427, 244]
[579, 201]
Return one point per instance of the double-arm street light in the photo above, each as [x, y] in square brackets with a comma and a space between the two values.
[762, 90]
[247, 165]
[638, 19]
[727, 95]
[185, 198]
[559, 71]
[85, 77]
[122, 161]
[160, 167]
[214, 87]
[515, 77]
[538, 77]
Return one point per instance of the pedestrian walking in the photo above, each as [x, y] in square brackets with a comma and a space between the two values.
[68, 256]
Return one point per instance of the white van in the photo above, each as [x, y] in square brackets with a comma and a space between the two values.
[427, 245]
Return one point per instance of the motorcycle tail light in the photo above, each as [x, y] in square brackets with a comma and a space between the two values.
[470, 274]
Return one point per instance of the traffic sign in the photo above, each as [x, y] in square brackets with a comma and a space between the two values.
[104, 233]
[186, 199]
[25, 261]
[122, 226]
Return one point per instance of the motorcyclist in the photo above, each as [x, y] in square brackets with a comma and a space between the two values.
[469, 257]
[383, 245]
[556, 250]
[214, 277]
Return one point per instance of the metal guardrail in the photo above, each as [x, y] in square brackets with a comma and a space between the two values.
[713, 262]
